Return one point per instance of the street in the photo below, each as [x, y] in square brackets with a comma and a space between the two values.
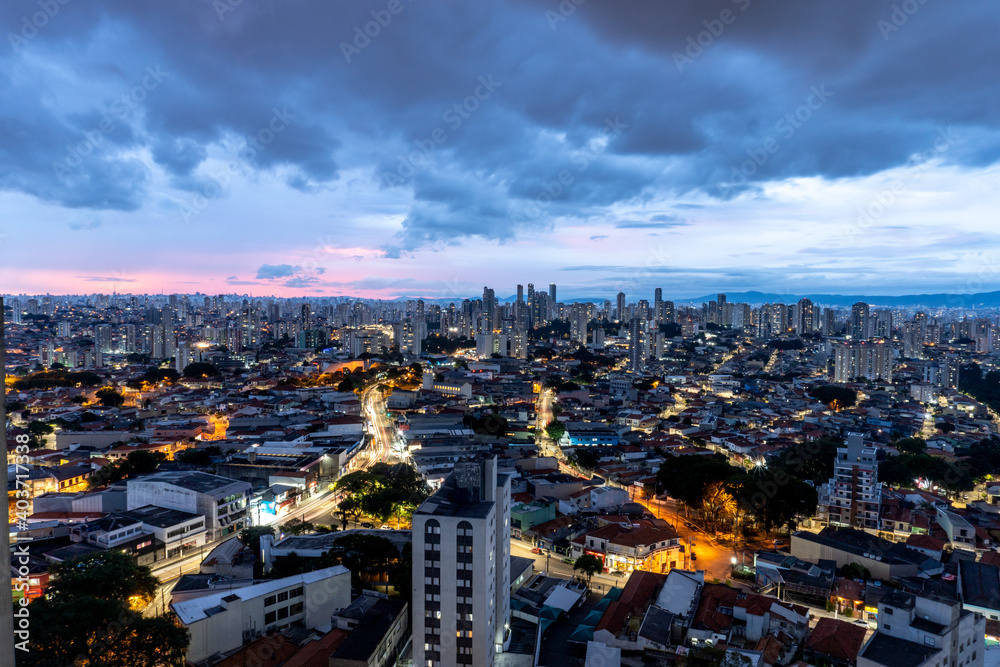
[320, 509]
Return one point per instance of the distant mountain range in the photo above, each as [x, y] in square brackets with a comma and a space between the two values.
[980, 300]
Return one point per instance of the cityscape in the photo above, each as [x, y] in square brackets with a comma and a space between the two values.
[518, 333]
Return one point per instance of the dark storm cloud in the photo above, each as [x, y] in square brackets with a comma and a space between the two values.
[499, 117]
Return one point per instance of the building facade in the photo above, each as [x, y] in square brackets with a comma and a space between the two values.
[461, 568]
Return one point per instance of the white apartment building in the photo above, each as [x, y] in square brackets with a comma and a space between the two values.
[461, 568]
[871, 360]
[224, 621]
[919, 631]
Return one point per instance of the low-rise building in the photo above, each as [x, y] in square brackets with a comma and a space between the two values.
[919, 631]
[224, 621]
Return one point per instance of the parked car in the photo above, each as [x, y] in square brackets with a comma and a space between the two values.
[537, 550]
[386, 527]
[617, 573]
[367, 525]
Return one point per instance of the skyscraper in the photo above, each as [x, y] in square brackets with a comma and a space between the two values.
[578, 319]
[658, 305]
[860, 328]
[871, 360]
[635, 345]
[461, 567]
[489, 305]
[552, 294]
[620, 313]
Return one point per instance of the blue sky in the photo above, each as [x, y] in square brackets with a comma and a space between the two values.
[395, 148]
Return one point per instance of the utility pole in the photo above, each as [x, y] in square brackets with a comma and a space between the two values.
[6, 603]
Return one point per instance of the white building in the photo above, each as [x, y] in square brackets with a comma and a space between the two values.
[222, 501]
[461, 568]
[922, 631]
[870, 360]
[224, 621]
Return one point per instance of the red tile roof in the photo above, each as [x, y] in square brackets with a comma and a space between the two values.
[836, 639]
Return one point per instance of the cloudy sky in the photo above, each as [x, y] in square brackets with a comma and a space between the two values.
[407, 148]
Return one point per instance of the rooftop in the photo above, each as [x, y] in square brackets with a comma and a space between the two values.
[894, 652]
[191, 611]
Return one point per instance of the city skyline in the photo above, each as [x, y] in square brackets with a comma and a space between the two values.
[726, 146]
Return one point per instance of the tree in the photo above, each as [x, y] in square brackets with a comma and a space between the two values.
[297, 527]
[201, 369]
[139, 462]
[687, 478]
[368, 555]
[589, 565]
[114, 575]
[555, 429]
[718, 505]
[103, 632]
[813, 460]
[855, 571]
[837, 398]
[251, 536]
[158, 375]
[585, 459]
[110, 398]
[39, 428]
[401, 574]
[911, 446]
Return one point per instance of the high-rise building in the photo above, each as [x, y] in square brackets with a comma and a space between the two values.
[578, 320]
[620, 313]
[871, 360]
[854, 495]
[489, 306]
[669, 312]
[658, 305]
[552, 294]
[642, 309]
[635, 345]
[861, 325]
[461, 568]
[805, 317]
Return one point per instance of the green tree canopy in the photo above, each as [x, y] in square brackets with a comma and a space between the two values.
[114, 575]
[589, 565]
[251, 536]
[110, 398]
[201, 369]
[836, 397]
[686, 478]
